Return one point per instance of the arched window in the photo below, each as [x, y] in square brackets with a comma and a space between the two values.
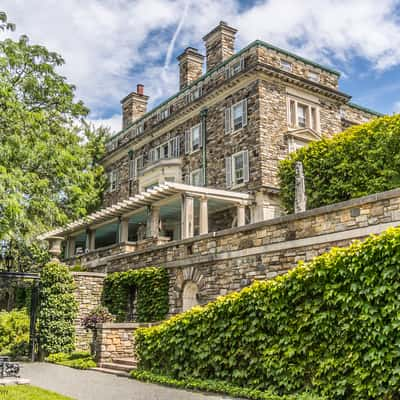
[189, 295]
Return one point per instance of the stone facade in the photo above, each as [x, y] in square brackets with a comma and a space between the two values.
[88, 292]
[116, 341]
[225, 261]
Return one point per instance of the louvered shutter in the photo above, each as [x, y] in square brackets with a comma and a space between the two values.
[187, 179]
[151, 155]
[244, 105]
[227, 72]
[187, 141]
[228, 171]
[177, 146]
[228, 120]
[200, 135]
[246, 175]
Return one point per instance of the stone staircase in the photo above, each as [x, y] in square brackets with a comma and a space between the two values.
[118, 366]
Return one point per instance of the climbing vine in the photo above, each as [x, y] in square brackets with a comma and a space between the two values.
[150, 286]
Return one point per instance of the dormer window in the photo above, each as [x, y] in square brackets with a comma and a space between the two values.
[234, 68]
[163, 114]
[313, 76]
[286, 65]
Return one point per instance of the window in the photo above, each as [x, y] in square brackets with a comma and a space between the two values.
[302, 115]
[237, 169]
[169, 149]
[194, 94]
[295, 144]
[112, 144]
[113, 180]
[163, 114]
[286, 65]
[193, 139]
[140, 129]
[236, 116]
[234, 68]
[196, 178]
[313, 76]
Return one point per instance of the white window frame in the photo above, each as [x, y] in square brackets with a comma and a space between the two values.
[312, 117]
[313, 76]
[295, 144]
[198, 172]
[286, 65]
[194, 93]
[189, 135]
[172, 150]
[231, 179]
[164, 113]
[229, 116]
[234, 67]
[113, 180]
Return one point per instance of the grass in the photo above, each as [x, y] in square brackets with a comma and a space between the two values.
[78, 360]
[26, 392]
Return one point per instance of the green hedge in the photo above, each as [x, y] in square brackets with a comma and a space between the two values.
[78, 360]
[57, 309]
[151, 288]
[362, 160]
[14, 332]
[218, 387]
[331, 327]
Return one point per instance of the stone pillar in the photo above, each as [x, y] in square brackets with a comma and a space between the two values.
[90, 239]
[300, 201]
[154, 221]
[187, 217]
[203, 216]
[241, 215]
[123, 230]
[71, 247]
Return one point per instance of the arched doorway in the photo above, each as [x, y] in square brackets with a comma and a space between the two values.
[189, 295]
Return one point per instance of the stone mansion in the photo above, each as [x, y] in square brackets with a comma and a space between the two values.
[205, 161]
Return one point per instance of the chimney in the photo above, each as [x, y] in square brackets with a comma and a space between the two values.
[220, 44]
[190, 67]
[134, 106]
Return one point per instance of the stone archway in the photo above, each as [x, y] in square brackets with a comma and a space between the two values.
[190, 295]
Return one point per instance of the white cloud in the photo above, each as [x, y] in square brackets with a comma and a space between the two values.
[396, 107]
[114, 122]
[110, 45]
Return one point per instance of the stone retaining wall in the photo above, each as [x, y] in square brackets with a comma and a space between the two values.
[116, 340]
[89, 289]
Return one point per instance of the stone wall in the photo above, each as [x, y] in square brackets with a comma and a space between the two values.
[226, 261]
[116, 340]
[89, 288]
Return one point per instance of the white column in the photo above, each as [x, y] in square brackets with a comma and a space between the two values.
[241, 215]
[203, 216]
[154, 221]
[123, 230]
[187, 217]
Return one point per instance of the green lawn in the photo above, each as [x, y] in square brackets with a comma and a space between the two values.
[26, 392]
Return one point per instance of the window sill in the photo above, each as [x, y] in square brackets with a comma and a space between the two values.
[237, 131]
[239, 185]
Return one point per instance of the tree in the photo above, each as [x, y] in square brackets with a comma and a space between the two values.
[49, 170]
[4, 24]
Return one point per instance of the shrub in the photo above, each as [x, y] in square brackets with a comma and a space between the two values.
[218, 387]
[14, 333]
[98, 315]
[362, 160]
[78, 360]
[331, 326]
[151, 288]
[57, 310]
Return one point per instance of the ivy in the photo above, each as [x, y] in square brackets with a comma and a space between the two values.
[362, 160]
[150, 286]
[330, 327]
[57, 310]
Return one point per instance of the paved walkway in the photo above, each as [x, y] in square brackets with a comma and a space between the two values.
[91, 385]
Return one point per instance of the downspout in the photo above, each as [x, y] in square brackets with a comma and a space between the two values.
[203, 117]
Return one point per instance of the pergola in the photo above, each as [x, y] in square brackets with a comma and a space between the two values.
[151, 201]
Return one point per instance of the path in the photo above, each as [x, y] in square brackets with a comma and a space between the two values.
[91, 385]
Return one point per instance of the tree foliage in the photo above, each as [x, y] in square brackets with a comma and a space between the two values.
[362, 160]
[14, 332]
[49, 171]
[330, 327]
[57, 309]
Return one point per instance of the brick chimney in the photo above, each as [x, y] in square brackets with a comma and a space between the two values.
[190, 67]
[220, 44]
[134, 106]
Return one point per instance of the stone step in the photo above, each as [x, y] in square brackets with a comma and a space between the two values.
[118, 367]
[111, 372]
[125, 361]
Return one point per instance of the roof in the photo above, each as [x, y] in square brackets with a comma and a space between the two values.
[147, 198]
[365, 109]
[203, 77]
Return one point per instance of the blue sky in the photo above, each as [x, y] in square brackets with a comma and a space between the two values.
[111, 45]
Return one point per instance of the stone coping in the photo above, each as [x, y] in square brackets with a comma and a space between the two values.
[126, 325]
[89, 274]
[274, 221]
